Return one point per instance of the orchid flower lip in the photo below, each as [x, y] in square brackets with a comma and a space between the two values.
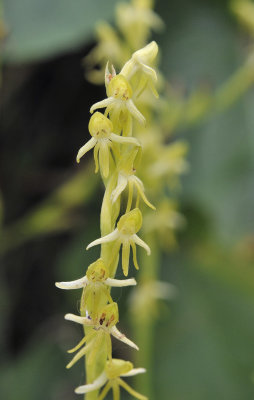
[77, 284]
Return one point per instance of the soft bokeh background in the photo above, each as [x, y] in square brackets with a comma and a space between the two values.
[50, 207]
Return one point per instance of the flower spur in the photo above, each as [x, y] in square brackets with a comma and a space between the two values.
[103, 327]
[100, 128]
[112, 375]
[126, 235]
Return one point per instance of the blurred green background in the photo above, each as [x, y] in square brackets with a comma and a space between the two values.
[49, 207]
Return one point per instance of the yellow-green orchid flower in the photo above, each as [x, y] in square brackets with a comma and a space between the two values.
[126, 235]
[95, 284]
[104, 326]
[101, 130]
[127, 177]
[119, 105]
[111, 377]
[139, 65]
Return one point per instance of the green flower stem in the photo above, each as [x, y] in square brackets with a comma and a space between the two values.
[143, 325]
[235, 87]
[201, 105]
[109, 214]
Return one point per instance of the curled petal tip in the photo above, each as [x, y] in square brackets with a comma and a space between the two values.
[68, 317]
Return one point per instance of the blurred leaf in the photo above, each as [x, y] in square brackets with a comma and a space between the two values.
[39, 29]
[37, 374]
[205, 350]
[200, 46]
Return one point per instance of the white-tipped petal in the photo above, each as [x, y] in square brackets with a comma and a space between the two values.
[120, 336]
[84, 149]
[90, 387]
[141, 243]
[120, 282]
[102, 104]
[105, 239]
[124, 139]
[121, 185]
[77, 284]
[135, 112]
[134, 371]
[78, 319]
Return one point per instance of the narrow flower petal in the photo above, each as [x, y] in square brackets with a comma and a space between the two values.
[120, 336]
[132, 391]
[134, 251]
[124, 139]
[120, 282]
[105, 391]
[104, 158]
[82, 341]
[90, 387]
[105, 239]
[121, 185]
[125, 257]
[102, 104]
[116, 391]
[134, 371]
[140, 188]
[95, 154]
[150, 72]
[79, 355]
[84, 149]
[135, 112]
[141, 243]
[77, 284]
[78, 319]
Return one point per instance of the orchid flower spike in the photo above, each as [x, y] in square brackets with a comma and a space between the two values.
[127, 177]
[100, 128]
[126, 235]
[104, 326]
[111, 377]
[119, 104]
[95, 284]
[140, 64]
